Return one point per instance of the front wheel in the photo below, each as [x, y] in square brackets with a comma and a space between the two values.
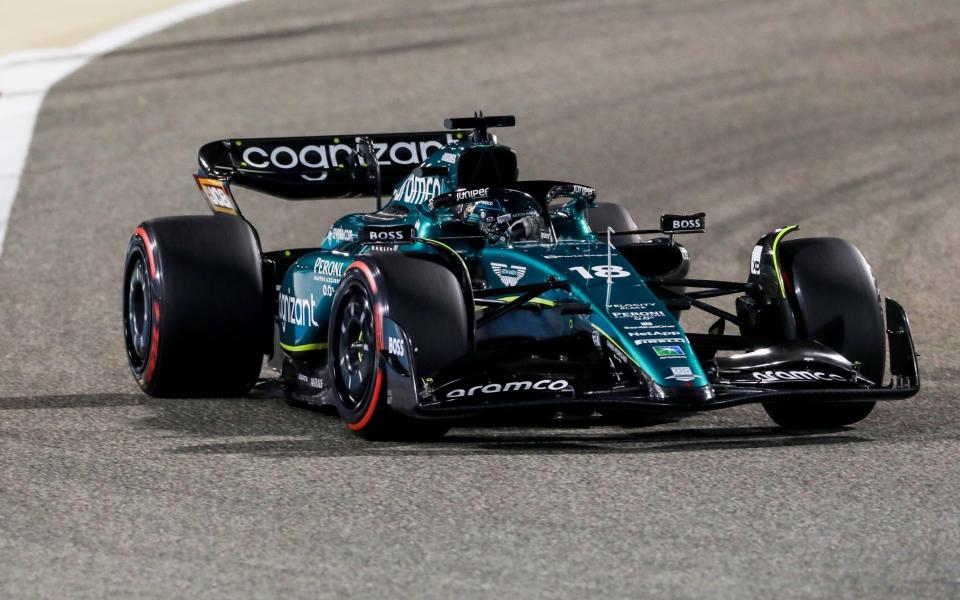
[818, 415]
[425, 300]
[604, 215]
[838, 305]
[357, 367]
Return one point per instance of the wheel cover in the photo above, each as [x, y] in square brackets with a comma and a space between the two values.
[137, 321]
[355, 352]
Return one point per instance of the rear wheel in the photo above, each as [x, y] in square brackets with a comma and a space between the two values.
[424, 299]
[602, 215]
[193, 306]
[839, 306]
[658, 257]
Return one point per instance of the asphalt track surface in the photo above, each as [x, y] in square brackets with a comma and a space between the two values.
[843, 117]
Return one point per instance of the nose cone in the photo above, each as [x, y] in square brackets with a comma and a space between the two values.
[691, 395]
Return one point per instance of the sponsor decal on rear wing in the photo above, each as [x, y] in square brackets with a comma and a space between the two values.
[320, 166]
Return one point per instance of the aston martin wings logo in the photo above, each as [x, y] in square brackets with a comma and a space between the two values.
[510, 275]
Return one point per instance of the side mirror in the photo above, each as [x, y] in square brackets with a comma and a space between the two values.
[694, 223]
[437, 171]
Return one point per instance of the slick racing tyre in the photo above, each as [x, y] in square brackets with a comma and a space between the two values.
[613, 215]
[839, 306]
[194, 314]
[425, 300]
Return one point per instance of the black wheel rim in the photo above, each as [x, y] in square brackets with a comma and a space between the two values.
[137, 322]
[355, 349]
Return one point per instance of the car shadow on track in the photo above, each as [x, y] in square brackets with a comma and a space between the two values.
[269, 427]
[293, 432]
[664, 440]
[531, 442]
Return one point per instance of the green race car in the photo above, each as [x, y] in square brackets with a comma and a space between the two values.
[472, 293]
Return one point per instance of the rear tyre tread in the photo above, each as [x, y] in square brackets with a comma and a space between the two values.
[207, 309]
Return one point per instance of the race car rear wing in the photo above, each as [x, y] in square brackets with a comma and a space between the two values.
[332, 166]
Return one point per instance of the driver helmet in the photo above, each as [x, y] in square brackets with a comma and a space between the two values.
[499, 218]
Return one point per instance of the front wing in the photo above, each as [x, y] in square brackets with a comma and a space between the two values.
[578, 390]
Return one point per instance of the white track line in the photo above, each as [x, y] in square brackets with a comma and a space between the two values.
[26, 76]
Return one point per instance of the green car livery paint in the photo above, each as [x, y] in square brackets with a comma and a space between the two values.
[625, 312]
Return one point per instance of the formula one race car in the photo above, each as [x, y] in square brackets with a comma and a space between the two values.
[473, 293]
